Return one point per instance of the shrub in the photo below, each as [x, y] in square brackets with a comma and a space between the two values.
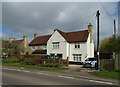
[27, 61]
[11, 60]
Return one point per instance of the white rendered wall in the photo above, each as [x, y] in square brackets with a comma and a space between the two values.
[56, 37]
[82, 50]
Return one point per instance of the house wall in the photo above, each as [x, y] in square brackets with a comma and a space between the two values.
[63, 45]
[90, 48]
[40, 47]
[68, 49]
[82, 50]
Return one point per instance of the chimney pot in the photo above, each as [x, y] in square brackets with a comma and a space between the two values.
[35, 35]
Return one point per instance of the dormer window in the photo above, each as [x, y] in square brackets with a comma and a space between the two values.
[77, 45]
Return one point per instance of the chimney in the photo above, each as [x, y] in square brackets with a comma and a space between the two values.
[11, 39]
[90, 31]
[90, 27]
[35, 35]
[25, 41]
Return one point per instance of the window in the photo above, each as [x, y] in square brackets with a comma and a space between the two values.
[44, 47]
[33, 47]
[59, 55]
[55, 45]
[52, 55]
[77, 57]
[77, 45]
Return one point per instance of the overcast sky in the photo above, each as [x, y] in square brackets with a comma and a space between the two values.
[27, 18]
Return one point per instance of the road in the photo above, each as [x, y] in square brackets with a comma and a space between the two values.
[23, 77]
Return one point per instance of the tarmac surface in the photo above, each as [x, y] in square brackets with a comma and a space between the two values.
[74, 71]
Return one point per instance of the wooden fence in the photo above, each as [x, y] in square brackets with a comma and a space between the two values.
[107, 64]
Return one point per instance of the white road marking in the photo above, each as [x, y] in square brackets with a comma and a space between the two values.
[65, 77]
[19, 70]
[40, 73]
[44, 73]
[25, 71]
[12, 69]
[100, 82]
[62, 76]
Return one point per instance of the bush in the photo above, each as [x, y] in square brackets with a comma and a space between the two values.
[27, 61]
[107, 64]
[14, 60]
[11, 60]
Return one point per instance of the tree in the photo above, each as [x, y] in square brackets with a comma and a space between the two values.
[104, 45]
[110, 45]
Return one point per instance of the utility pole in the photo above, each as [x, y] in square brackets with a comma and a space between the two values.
[98, 56]
[114, 28]
[114, 54]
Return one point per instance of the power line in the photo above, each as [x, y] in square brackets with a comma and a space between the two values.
[106, 11]
[78, 23]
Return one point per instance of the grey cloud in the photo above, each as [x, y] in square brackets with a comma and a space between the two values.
[30, 17]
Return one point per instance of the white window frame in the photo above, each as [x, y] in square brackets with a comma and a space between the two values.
[77, 57]
[77, 45]
[33, 47]
[56, 45]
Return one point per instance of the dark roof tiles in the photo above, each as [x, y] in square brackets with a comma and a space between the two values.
[16, 42]
[40, 40]
[77, 36]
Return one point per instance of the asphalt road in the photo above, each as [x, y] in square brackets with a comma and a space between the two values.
[22, 77]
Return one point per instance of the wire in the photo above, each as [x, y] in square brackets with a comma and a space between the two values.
[78, 23]
[106, 11]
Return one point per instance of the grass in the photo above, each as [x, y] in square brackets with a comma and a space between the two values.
[38, 67]
[0, 62]
[108, 74]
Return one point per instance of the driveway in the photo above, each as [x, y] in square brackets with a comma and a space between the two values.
[79, 68]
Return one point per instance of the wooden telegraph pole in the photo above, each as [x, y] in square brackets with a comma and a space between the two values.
[98, 56]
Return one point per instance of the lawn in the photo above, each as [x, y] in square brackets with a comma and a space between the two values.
[0, 62]
[108, 74]
[38, 67]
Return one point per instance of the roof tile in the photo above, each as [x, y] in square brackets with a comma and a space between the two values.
[71, 37]
[40, 40]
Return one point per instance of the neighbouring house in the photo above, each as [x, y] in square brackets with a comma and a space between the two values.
[13, 46]
[76, 46]
[39, 44]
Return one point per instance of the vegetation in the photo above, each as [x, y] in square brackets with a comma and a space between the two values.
[0, 62]
[28, 64]
[108, 74]
[110, 45]
[39, 67]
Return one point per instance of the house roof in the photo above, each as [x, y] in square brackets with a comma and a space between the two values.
[77, 36]
[16, 42]
[40, 40]
[13, 43]
[39, 52]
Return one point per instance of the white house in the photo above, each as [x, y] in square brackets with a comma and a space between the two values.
[77, 46]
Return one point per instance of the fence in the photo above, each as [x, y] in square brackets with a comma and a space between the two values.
[107, 64]
[117, 62]
[38, 60]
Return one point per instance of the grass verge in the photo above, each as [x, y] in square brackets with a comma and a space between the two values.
[38, 67]
[0, 61]
[108, 74]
